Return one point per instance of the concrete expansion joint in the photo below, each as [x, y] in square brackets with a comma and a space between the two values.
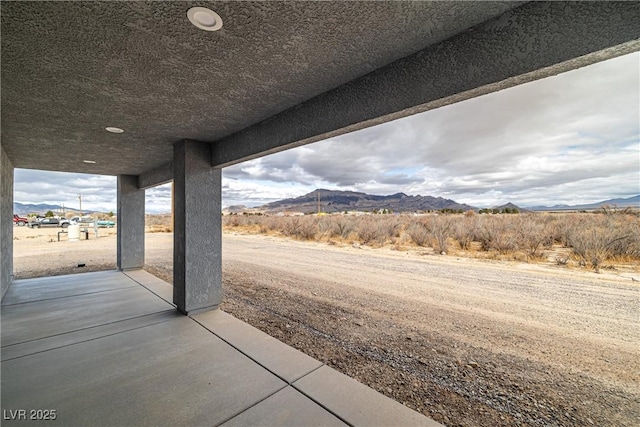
[147, 287]
[307, 374]
[199, 310]
[248, 356]
[255, 404]
[89, 339]
[289, 383]
[88, 328]
[325, 407]
[66, 296]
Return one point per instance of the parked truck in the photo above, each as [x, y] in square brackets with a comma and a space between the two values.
[17, 219]
[50, 222]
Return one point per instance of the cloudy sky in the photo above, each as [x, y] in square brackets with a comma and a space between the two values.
[569, 139]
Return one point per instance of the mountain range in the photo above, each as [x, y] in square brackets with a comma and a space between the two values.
[23, 209]
[631, 202]
[339, 201]
[40, 208]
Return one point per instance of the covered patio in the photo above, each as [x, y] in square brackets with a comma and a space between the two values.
[134, 90]
[109, 348]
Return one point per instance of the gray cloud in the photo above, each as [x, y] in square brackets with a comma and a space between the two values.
[551, 134]
[34, 186]
[571, 138]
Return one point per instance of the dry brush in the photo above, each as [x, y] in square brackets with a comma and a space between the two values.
[594, 240]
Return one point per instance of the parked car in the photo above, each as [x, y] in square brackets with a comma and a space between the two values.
[20, 220]
[84, 220]
[50, 222]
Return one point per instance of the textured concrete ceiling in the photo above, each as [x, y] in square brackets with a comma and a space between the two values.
[69, 69]
[278, 74]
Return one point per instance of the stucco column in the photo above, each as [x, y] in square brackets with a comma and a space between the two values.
[197, 233]
[6, 222]
[130, 223]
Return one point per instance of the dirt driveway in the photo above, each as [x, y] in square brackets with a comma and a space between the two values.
[466, 342]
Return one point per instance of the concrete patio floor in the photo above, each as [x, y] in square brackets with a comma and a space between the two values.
[109, 348]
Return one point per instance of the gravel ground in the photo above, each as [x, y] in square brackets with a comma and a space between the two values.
[466, 342]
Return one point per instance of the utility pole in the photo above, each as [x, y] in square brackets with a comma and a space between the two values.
[318, 202]
[80, 199]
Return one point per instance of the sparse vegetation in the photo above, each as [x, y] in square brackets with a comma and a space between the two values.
[158, 223]
[604, 238]
[597, 240]
[368, 230]
[419, 232]
[593, 240]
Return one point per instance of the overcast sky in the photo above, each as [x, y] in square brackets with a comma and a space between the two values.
[569, 139]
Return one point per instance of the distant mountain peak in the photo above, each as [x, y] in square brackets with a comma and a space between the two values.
[511, 206]
[630, 202]
[340, 201]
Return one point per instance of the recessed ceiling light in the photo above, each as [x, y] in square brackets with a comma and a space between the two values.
[89, 161]
[204, 18]
[113, 130]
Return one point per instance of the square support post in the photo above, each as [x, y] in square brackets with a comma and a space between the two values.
[197, 233]
[6, 222]
[130, 223]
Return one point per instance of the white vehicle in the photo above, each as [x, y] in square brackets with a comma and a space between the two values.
[85, 220]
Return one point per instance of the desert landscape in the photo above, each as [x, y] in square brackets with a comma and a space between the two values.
[467, 340]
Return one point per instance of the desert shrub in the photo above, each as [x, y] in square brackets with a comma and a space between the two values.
[248, 220]
[419, 232]
[441, 231]
[496, 233]
[263, 228]
[307, 228]
[325, 226]
[342, 226]
[389, 227]
[232, 221]
[591, 245]
[531, 234]
[483, 235]
[464, 230]
[627, 243]
[159, 229]
[157, 219]
[269, 223]
[367, 230]
[553, 227]
[266, 224]
[604, 237]
[566, 226]
[290, 225]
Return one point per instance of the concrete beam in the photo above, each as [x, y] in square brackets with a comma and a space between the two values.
[130, 252]
[6, 222]
[154, 177]
[197, 236]
[536, 40]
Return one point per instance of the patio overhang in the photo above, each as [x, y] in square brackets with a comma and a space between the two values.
[277, 75]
